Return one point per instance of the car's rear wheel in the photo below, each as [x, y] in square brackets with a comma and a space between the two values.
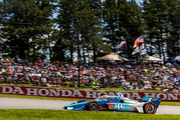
[150, 108]
[93, 106]
[81, 100]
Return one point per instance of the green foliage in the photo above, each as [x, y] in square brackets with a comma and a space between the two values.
[80, 19]
[24, 24]
[160, 17]
[122, 21]
[60, 26]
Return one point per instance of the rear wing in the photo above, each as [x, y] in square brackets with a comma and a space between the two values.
[156, 101]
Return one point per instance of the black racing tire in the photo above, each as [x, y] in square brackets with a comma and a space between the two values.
[149, 108]
[92, 106]
[81, 100]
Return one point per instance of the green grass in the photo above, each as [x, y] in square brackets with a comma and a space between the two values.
[78, 115]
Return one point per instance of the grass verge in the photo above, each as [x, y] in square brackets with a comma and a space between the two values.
[25, 114]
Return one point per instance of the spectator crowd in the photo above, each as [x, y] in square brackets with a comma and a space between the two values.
[129, 76]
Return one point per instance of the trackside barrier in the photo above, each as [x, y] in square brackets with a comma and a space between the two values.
[83, 94]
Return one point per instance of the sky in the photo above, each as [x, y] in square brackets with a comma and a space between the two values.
[139, 1]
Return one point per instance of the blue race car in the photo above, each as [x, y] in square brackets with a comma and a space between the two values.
[116, 103]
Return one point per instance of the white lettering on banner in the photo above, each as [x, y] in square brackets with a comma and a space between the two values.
[6, 89]
[128, 95]
[150, 94]
[64, 93]
[77, 93]
[45, 94]
[172, 96]
[101, 93]
[54, 92]
[83, 93]
[33, 91]
[88, 94]
[162, 94]
[136, 95]
[18, 90]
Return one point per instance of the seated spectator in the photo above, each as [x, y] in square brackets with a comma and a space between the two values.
[139, 85]
[83, 81]
[15, 79]
[1, 78]
[64, 82]
[87, 83]
[175, 90]
[154, 84]
[123, 81]
[26, 79]
[9, 79]
[19, 78]
[36, 80]
[54, 81]
[50, 79]
[43, 81]
[3, 70]
[134, 85]
[127, 86]
[147, 85]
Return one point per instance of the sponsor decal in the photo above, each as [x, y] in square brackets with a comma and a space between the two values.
[119, 106]
[83, 94]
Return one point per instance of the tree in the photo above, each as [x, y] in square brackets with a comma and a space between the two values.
[110, 19]
[162, 28]
[122, 20]
[25, 22]
[81, 21]
[131, 25]
[173, 37]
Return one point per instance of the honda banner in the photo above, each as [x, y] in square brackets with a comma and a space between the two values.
[83, 94]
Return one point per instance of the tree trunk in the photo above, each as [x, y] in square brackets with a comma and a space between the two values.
[28, 50]
[50, 52]
[34, 52]
[84, 58]
[94, 53]
[79, 82]
[71, 52]
[12, 49]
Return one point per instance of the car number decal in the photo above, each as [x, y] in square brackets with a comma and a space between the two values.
[119, 106]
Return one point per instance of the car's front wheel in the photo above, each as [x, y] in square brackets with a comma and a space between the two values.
[150, 108]
[93, 106]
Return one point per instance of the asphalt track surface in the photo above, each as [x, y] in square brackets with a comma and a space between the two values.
[22, 103]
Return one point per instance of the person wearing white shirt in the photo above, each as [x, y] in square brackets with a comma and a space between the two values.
[43, 81]
[31, 74]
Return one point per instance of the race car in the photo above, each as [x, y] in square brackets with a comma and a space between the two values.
[116, 103]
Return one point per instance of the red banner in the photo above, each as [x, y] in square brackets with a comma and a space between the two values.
[83, 94]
